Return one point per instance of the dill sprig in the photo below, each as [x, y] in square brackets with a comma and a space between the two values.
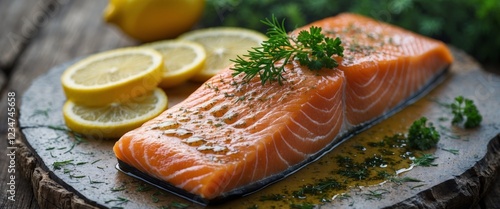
[310, 48]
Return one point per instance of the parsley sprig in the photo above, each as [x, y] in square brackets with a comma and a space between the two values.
[311, 48]
[421, 136]
[464, 109]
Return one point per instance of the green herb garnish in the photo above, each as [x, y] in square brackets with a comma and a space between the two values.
[376, 194]
[311, 48]
[425, 160]
[452, 151]
[302, 206]
[116, 189]
[179, 205]
[421, 136]
[272, 197]
[119, 200]
[400, 180]
[58, 165]
[76, 177]
[464, 109]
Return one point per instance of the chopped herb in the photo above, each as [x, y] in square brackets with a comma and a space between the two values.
[302, 206]
[425, 160]
[77, 177]
[442, 119]
[50, 148]
[41, 112]
[344, 196]
[155, 199]
[403, 180]
[375, 161]
[58, 128]
[272, 197]
[116, 189]
[241, 98]
[383, 175]
[320, 186]
[58, 165]
[420, 185]
[465, 110]
[376, 194]
[119, 200]
[95, 161]
[179, 205]
[452, 151]
[81, 163]
[95, 182]
[71, 148]
[143, 188]
[310, 48]
[79, 138]
[421, 136]
[357, 173]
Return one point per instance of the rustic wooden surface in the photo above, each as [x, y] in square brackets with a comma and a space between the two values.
[37, 35]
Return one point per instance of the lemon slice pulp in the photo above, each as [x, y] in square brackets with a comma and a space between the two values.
[182, 60]
[113, 76]
[115, 119]
[222, 44]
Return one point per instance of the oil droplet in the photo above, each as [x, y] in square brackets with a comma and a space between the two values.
[204, 147]
[195, 141]
[181, 133]
[168, 124]
[218, 148]
[183, 119]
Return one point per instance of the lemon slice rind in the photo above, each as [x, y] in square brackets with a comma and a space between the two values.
[173, 74]
[214, 49]
[114, 91]
[118, 126]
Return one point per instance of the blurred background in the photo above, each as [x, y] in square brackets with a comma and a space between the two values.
[471, 25]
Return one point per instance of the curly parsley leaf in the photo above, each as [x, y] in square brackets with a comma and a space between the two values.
[421, 136]
[464, 109]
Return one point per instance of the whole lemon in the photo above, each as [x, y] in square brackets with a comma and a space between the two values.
[152, 20]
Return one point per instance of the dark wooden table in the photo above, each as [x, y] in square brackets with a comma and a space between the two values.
[37, 35]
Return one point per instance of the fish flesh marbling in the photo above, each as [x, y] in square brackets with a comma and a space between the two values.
[228, 138]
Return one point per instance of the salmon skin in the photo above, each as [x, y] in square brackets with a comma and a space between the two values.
[231, 138]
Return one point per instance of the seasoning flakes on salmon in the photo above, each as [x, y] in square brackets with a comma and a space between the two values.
[229, 138]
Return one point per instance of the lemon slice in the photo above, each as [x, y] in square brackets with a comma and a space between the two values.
[114, 120]
[182, 60]
[113, 76]
[222, 44]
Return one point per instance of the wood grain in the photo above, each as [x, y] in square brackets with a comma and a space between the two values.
[21, 21]
[35, 36]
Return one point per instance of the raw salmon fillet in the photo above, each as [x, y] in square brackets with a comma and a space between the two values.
[228, 137]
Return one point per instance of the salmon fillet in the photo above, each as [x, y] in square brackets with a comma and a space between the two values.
[228, 137]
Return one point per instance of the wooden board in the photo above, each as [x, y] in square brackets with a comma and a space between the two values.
[90, 178]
